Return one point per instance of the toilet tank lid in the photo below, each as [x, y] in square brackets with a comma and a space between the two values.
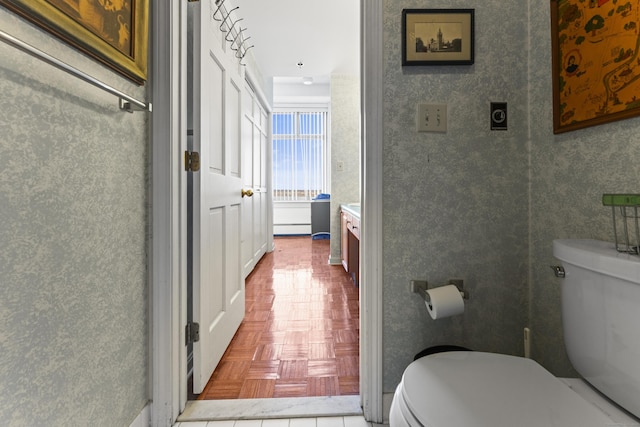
[601, 257]
[488, 389]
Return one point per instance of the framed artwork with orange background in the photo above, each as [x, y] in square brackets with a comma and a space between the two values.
[596, 62]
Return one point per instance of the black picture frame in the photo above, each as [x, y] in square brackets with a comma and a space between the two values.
[437, 37]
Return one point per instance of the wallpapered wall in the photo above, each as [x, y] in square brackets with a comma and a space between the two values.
[73, 203]
[485, 205]
[73, 215]
[569, 174]
[345, 148]
[456, 203]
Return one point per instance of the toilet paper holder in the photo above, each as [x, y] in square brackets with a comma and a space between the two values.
[421, 287]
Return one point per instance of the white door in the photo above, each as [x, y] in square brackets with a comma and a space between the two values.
[248, 261]
[218, 283]
[254, 142]
[260, 140]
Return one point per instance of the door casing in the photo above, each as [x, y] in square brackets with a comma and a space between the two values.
[168, 216]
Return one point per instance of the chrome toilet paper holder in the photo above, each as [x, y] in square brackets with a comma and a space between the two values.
[421, 287]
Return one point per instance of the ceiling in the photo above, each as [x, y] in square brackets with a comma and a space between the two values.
[323, 36]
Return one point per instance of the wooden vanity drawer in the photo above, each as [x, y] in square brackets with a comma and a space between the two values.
[350, 244]
[353, 225]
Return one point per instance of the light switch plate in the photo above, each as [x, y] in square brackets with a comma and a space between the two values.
[432, 118]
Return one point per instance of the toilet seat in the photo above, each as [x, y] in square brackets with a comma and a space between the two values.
[455, 389]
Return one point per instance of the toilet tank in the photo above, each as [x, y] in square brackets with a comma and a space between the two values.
[601, 317]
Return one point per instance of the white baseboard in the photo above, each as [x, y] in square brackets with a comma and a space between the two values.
[335, 261]
[143, 419]
[387, 398]
[291, 229]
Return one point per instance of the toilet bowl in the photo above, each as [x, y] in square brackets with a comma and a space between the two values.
[496, 390]
[601, 311]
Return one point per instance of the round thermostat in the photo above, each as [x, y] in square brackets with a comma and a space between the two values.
[499, 116]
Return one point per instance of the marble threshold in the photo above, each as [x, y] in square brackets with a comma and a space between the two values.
[248, 409]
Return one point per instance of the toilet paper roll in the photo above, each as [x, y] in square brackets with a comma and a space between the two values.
[445, 301]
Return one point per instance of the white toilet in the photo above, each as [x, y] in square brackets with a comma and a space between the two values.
[601, 323]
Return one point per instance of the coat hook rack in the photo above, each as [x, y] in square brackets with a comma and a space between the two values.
[235, 33]
[233, 24]
[244, 54]
[241, 46]
[222, 27]
[219, 3]
[238, 34]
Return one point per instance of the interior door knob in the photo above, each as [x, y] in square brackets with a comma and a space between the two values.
[247, 193]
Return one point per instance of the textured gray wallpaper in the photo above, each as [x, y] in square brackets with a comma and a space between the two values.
[456, 203]
[345, 148]
[569, 174]
[73, 229]
[485, 205]
[470, 203]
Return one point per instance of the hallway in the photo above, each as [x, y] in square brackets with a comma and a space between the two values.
[300, 334]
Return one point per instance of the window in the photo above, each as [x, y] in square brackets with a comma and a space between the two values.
[299, 155]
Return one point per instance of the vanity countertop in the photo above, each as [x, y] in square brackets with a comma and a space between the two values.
[352, 208]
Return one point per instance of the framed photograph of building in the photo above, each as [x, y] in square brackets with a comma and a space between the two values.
[437, 36]
[113, 32]
[596, 62]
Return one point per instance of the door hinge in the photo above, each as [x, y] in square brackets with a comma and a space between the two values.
[191, 161]
[192, 332]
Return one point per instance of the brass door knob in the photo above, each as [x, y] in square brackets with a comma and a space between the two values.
[247, 193]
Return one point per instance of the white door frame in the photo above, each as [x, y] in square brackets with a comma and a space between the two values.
[371, 316]
[167, 281]
[168, 213]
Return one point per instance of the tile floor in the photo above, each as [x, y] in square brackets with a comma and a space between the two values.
[350, 421]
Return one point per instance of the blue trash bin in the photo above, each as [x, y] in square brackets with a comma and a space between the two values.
[320, 216]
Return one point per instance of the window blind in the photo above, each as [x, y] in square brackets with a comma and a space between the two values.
[299, 154]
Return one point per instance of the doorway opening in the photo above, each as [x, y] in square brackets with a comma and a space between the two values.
[371, 339]
[300, 334]
[168, 311]
[258, 122]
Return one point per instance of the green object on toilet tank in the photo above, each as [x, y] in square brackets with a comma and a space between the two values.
[621, 199]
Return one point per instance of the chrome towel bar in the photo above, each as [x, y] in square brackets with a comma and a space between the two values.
[127, 103]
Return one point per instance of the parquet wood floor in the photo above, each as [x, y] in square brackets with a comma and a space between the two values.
[300, 334]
